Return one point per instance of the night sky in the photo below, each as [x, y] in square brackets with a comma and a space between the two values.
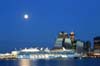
[46, 19]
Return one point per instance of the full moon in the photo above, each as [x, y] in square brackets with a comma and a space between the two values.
[26, 16]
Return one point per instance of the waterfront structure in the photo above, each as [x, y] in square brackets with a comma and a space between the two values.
[79, 46]
[70, 42]
[34, 53]
[60, 40]
[67, 43]
[63, 40]
[72, 37]
[96, 49]
[87, 46]
[97, 42]
[73, 40]
[12, 55]
[97, 46]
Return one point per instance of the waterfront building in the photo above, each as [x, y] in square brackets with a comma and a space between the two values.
[79, 46]
[60, 40]
[67, 43]
[63, 40]
[97, 42]
[96, 49]
[73, 41]
[97, 46]
[72, 37]
[87, 46]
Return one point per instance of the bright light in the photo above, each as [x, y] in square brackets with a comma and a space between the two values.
[26, 16]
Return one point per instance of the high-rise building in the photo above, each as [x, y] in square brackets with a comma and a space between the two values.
[60, 39]
[72, 37]
[79, 46]
[97, 42]
[87, 46]
[73, 41]
[63, 40]
[96, 50]
[67, 43]
[97, 45]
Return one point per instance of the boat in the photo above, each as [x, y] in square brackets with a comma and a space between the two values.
[35, 53]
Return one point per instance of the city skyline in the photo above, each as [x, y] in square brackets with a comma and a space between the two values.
[46, 20]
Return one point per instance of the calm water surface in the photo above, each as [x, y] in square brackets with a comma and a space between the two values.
[58, 62]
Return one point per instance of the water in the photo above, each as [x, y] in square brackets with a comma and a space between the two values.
[57, 62]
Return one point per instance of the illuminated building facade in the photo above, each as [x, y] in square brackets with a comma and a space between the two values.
[87, 46]
[79, 46]
[60, 39]
[69, 42]
[73, 41]
[96, 51]
[97, 44]
[63, 40]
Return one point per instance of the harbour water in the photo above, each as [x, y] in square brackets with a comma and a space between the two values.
[53, 62]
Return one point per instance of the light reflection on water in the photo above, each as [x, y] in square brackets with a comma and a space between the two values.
[29, 62]
[24, 62]
[53, 62]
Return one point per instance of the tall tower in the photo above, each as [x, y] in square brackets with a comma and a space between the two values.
[73, 41]
[72, 37]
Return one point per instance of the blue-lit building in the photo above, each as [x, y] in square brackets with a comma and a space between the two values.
[79, 46]
[63, 40]
[67, 43]
[60, 40]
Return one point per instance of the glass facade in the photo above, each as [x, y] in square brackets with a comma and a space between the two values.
[59, 42]
[67, 43]
[79, 47]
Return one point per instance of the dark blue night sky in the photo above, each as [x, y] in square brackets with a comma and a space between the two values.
[46, 19]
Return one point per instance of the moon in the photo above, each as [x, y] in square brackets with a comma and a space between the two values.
[26, 16]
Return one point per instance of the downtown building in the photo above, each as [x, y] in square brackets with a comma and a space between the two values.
[97, 46]
[63, 40]
[69, 42]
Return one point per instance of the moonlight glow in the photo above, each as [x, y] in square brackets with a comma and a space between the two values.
[26, 16]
